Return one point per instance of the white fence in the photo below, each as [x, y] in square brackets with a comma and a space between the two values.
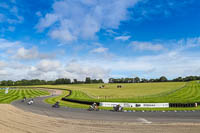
[136, 105]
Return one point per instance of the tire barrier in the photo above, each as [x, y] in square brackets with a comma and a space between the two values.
[78, 101]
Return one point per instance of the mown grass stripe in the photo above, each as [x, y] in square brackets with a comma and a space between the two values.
[19, 94]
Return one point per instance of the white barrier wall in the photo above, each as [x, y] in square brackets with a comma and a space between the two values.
[136, 105]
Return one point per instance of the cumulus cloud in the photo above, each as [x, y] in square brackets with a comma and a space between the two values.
[32, 53]
[122, 38]
[53, 69]
[71, 20]
[171, 63]
[48, 65]
[81, 70]
[149, 46]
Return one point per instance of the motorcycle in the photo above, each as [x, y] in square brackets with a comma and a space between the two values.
[23, 100]
[118, 108]
[56, 105]
[30, 102]
[91, 108]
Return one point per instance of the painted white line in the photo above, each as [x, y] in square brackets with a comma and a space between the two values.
[145, 121]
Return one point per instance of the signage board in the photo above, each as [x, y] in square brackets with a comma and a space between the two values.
[135, 105]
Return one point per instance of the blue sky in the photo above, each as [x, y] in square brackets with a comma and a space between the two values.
[49, 39]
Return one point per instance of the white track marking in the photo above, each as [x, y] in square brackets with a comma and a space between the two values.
[145, 121]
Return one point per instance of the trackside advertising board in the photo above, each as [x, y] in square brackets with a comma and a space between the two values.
[136, 105]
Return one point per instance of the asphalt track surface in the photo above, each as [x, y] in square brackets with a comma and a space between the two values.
[39, 107]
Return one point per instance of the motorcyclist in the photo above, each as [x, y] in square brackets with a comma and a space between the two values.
[24, 99]
[56, 105]
[94, 106]
[118, 108]
[30, 102]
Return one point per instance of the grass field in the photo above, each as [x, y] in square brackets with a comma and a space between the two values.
[16, 94]
[173, 92]
[127, 90]
[190, 90]
[142, 92]
[181, 93]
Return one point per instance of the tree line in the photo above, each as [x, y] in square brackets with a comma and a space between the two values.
[88, 80]
[161, 79]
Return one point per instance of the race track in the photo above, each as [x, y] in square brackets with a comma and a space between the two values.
[39, 107]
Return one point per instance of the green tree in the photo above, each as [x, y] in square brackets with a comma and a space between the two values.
[137, 79]
[87, 80]
[163, 79]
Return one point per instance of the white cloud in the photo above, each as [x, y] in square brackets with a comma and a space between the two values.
[149, 46]
[99, 50]
[3, 73]
[188, 43]
[48, 65]
[81, 70]
[31, 54]
[47, 21]
[172, 63]
[2, 64]
[26, 54]
[123, 38]
[53, 69]
[8, 44]
[72, 20]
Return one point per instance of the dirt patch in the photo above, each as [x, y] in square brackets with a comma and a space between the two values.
[14, 120]
[52, 91]
[55, 92]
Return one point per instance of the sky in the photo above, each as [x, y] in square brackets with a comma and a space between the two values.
[50, 39]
